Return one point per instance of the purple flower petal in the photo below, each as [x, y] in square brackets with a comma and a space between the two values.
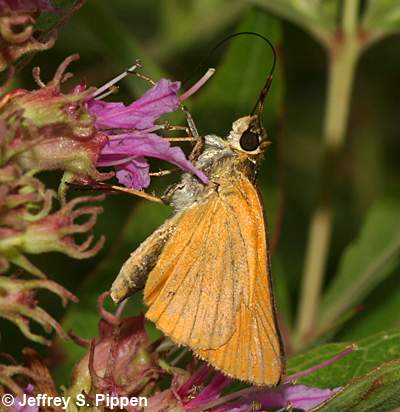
[197, 378]
[134, 174]
[142, 113]
[211, 392]
[303, 397]
[130, 146]
[298, 396]
[126, 151]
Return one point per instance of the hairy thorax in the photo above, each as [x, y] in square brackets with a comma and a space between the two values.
[222, 164]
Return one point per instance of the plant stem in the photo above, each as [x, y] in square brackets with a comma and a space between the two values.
[344, 50]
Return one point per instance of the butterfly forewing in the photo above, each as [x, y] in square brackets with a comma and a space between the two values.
[210, 287]
[188, 291]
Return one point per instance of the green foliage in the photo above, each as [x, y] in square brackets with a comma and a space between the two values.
[382, 16]
[317, 17]
[378, 390]
[377, 313]
[365, 263]
[369, 353]
[118, 42]
[180, 23]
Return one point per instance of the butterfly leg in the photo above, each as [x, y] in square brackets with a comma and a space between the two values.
[199, 145]
[135, 192]
[119, 189]
[165, 172]
[169, 193]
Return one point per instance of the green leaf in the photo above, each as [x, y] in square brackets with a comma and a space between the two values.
[365, 263]
[315, 16]
[378, 390]
[371, 352]
[240, 76]
[180, 25]
[382, 16]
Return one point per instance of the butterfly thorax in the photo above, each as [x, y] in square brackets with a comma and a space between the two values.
[224, 161]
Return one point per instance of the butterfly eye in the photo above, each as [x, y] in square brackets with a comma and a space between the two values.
[249, 141]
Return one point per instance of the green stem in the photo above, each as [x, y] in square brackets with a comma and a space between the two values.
[344, 51]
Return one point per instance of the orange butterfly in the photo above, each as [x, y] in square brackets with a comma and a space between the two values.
[208, 273]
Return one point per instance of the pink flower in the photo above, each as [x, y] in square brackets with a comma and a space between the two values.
[123, 362]
[46, 129]
[127, 149]
[210, 393]
[193, 395]
[297, 396]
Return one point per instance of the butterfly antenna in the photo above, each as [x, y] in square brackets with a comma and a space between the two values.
[259, 106]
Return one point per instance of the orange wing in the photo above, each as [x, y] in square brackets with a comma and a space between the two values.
[210, 288]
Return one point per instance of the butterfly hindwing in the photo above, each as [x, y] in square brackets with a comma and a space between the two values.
[134, 271]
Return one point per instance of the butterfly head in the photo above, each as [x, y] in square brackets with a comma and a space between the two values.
[248, 136]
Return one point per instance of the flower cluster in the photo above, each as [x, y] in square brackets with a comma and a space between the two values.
[42, 130]
[45, 129]
[28, 225]
[122, 362]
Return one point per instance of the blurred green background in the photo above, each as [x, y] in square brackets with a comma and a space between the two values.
[171, 38]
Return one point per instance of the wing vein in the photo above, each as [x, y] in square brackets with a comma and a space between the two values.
[201, 282]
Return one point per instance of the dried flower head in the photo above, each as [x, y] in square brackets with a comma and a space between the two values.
[120, 362]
